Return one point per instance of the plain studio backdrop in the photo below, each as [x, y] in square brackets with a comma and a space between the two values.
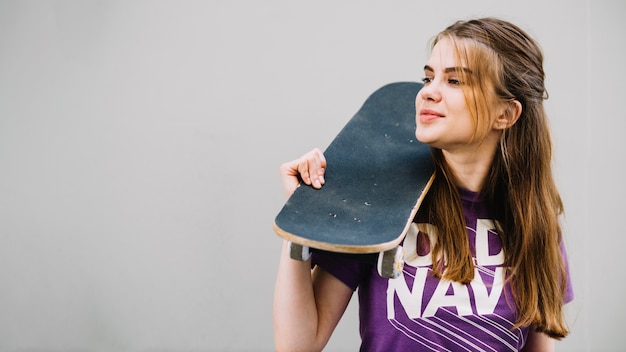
[140, 143]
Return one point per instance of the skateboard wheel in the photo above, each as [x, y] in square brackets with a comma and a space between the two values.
[391, 263]
[299, 252]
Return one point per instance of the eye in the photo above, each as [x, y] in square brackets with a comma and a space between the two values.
[454, 81]
[427, 80]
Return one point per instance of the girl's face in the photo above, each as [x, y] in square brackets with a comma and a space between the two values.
[443, 119]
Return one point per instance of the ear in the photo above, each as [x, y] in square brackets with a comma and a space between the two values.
[509, 116]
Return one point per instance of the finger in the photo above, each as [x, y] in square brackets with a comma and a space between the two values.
[317, 168]
[303, 169]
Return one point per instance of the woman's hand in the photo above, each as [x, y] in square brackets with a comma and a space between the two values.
[309, 168]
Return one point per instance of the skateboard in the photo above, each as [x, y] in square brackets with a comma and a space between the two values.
[376, 178]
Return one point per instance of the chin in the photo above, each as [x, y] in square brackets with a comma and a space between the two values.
[424, 138]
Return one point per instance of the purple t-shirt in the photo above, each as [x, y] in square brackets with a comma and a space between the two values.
[419, 312]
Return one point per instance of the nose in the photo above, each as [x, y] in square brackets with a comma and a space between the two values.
[430, 92]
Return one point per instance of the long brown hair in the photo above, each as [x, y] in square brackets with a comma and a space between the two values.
[520, 188]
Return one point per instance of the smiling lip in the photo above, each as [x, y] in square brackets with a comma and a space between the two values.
[427, 115]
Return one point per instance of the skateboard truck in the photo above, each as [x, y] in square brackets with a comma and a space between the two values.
[299, 252]
[389, 263]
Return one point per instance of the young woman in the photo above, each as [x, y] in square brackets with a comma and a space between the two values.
[487, 270]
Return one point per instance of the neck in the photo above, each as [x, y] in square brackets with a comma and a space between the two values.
[471, 165]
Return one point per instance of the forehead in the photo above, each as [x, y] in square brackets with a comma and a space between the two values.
[444, 55]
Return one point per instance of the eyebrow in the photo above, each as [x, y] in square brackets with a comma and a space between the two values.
[450, 69]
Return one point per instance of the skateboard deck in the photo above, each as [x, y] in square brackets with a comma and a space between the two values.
[376, 177]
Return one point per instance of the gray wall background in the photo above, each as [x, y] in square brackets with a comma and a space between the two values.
[140, 144]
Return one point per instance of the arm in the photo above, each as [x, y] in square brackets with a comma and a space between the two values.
[307, 304]
[538, 342]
